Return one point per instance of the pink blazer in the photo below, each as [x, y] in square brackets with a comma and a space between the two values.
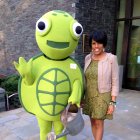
[108, 74]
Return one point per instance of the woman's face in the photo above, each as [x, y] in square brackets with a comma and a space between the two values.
[97, 48]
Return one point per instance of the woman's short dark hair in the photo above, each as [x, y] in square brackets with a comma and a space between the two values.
[98, 36]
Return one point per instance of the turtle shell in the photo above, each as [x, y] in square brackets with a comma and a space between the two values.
[53, 91]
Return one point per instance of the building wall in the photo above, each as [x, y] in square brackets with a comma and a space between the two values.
[18, 19]
[96, 14]
[17, 28]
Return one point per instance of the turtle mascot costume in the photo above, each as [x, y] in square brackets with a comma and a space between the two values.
[52, 79]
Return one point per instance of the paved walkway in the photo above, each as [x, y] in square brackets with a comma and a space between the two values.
[19, 125]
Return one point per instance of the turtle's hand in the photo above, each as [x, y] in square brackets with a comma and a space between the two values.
[25, 70]
[73, 100]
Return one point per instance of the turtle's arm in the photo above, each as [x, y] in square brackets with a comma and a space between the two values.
[76, 94]
[29, 79]
[25, 70]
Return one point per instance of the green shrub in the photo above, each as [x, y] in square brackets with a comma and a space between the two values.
[1, 80]
[10, 83]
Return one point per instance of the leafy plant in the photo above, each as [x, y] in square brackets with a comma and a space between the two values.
[10, 83]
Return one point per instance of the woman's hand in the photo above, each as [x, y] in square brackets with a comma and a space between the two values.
[111, 109]
[82, 103]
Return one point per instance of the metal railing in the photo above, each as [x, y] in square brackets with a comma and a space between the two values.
[8, 98]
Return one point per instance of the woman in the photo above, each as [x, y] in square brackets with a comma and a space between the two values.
[102, 83]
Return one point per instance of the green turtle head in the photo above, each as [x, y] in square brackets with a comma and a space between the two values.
[57, 34]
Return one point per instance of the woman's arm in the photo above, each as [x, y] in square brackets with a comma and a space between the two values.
[115, 85]
[115, 77]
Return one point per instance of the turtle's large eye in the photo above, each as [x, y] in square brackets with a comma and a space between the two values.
[76, 30]
[43, 26]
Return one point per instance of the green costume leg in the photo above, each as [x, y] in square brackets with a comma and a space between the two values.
[45, 128]
[58, 128]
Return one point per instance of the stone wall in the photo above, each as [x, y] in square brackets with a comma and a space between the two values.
[17, 28]
[18, 19]
[96, 14]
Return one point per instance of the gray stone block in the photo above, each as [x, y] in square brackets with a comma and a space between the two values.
[2, 109]
[2, 104]
[2, 91]
[2, 100]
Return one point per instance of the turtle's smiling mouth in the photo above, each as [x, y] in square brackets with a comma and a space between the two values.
[58, 45]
